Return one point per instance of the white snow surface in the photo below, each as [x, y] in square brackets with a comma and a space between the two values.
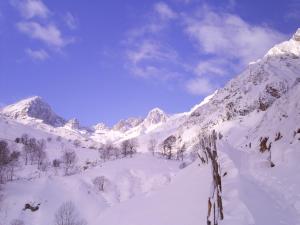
[148, 190]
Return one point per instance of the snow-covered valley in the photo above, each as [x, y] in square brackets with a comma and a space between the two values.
[153, 171]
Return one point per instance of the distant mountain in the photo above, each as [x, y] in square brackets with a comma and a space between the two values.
[155, 116]
[73, 124]
[255, 89]
[35, 108]
[126, 124]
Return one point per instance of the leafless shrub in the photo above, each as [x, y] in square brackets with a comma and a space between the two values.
[129, 147]
[167, 146]
[68, 215]
[100, 183]
[69, 160]
[8, 162]
[152, 146]
[76, 143]
[180, 152]
[278, 136]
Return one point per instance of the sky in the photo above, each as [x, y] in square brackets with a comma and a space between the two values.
[102, 61]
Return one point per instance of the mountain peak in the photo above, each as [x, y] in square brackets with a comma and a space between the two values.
[33, 107]
[155, 116]
[73, 123]
[290, 47]
[296, 36]
[125, 125]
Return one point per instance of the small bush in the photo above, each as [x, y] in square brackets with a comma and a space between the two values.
[100, 183]
[278, 136]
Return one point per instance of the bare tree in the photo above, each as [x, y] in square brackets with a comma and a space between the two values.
[129, 147]
[40, 153]
[133, 145]
[24, 139]
[69, 160]
[77, 143]
[8, 162]
[34, 150]
[68, 215]
[168, 145]
[215, 203]
[152, 146]
[28, 149]
[100, 182]
[106, 151]
[180, 152]
[4, 160]
[125, 147]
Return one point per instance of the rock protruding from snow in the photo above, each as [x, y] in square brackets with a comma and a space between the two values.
[100, 127]
[287, 48]
[36, 108]
[73, 124]
[255, 89]
[155, 116]
[296, 36]
[125, 125]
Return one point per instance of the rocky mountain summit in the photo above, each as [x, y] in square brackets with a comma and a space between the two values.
[33, 108]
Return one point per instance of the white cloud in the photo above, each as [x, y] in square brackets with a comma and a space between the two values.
[71, 21]
[210, 67]
[200, 86]
[223, 43]
[40, 54]
[149, 59]
[31, 8]
[48, 34]
[228, 35]
[149, 50]
[164, 11]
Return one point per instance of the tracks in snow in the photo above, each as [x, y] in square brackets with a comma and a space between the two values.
[246, 200]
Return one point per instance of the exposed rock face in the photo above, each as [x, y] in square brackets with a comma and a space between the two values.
[296, 36]
[33, 107]
[125, 125]
[155, 116]
[257, 88]
[100, 126]
[73, 124]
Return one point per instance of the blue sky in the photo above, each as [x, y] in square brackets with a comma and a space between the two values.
[101, 61]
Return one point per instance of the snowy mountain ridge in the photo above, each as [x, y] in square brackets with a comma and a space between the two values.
[256, 116]
[33, 107]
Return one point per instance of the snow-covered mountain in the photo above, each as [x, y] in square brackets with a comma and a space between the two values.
[261, 103]
[33, 108]
[154, 117]
[127, 124]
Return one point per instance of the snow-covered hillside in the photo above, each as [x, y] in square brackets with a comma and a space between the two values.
[256, 117]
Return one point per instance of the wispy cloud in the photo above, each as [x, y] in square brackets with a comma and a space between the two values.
[200, 86]
[221, 34]
[223, 43]
[147, 54]
[39, 23]
[228, 41]
[39, 54]
[164, 11]
[49, 34]
[150, 50]
[31, 8]
[71, 21]
[148, 59]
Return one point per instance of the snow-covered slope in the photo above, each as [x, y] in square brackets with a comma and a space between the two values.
[259, 187]
[33, 108]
